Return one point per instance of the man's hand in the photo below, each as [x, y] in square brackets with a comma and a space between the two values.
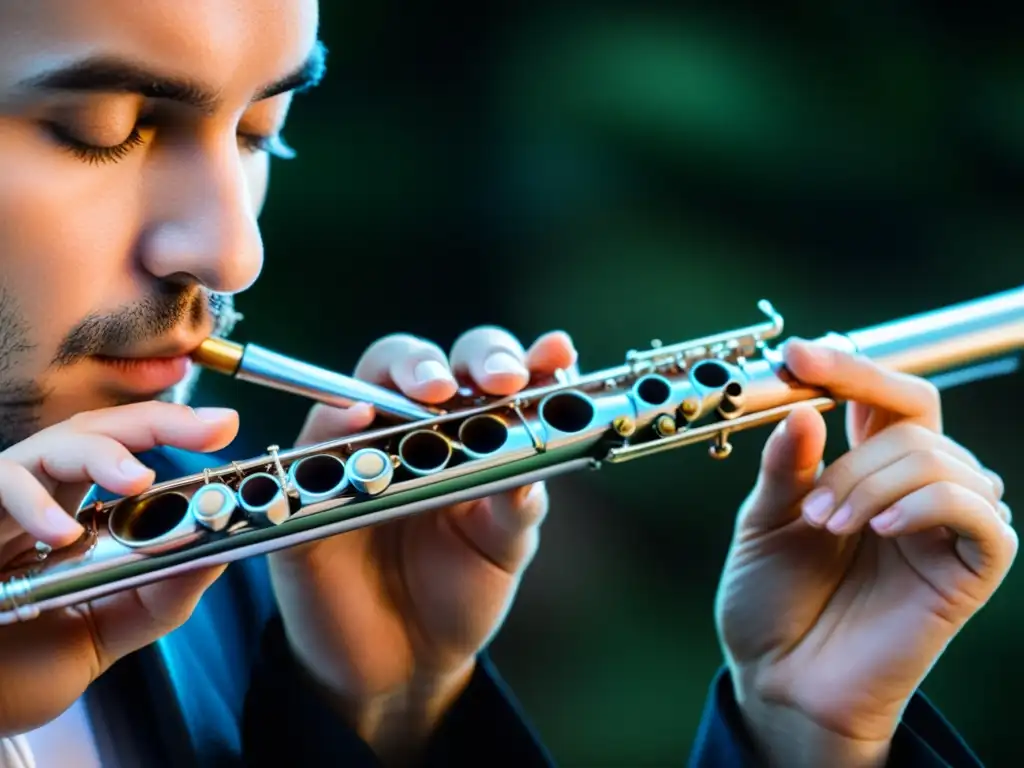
[47, 663]
[844, 585]
[388, 620]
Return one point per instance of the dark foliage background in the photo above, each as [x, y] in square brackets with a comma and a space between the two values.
[626, 173]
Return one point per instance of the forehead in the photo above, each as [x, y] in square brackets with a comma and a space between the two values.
[236, 44]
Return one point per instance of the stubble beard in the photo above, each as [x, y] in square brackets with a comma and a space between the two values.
[22, 400]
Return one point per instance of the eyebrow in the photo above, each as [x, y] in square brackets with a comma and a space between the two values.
[107, 74]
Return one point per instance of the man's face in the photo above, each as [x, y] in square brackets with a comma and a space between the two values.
[128, 218]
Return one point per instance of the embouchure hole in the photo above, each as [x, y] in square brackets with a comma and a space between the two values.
[653, 390]
[567, 412]
[319, 474]
[483, 434]
[710, 374]
[152, 518]
[425, 451]
[258, 490]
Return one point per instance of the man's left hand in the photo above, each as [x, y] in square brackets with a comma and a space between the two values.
[389, 619]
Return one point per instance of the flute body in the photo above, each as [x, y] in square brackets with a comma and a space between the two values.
[661, 398]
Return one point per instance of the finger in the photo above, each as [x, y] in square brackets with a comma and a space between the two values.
[859, 379]
[97, 459]
[790, 464]
[870, 457]
[413, 365]
[985, 545]
[492, 359]
[997, 482]
[1004, 513]
[127, 621]
[505, 530]
[325, 422]
[551, 352]
[29, 504]
[903, 477]
[138, 427]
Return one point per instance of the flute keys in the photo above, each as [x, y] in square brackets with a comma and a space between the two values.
[263, 498]
[370, 471]
[317, 478]
[213, 505]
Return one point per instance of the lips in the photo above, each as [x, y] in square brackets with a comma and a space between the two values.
[144, 375]
[150, 370]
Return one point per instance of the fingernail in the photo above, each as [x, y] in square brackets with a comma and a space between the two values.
[840, 518]
[817, 505]
[430, 370]
[133, 470]
[214, 415]
[885, 520]
[61, 523]
[504, 364]
[361, 410]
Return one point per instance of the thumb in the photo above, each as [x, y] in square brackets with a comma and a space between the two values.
[790, 465]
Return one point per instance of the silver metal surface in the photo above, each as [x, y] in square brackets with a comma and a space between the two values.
[274, 370]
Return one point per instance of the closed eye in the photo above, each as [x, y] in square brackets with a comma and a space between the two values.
[274, 146]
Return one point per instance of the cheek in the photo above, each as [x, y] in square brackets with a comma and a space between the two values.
[66, 233]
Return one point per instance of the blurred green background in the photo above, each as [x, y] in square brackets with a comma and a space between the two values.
[625, 174]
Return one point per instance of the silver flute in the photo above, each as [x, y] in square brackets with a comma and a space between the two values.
[660, 398]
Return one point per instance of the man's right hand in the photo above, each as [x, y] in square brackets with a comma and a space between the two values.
[46, 664]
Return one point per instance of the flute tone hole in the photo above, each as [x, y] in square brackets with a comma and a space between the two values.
[732, 401]
[259, 490]
[710, 374]
[653, 390]
[425, 451]
[319, 474]
[567, 412]
[151, 518]
[483, 434]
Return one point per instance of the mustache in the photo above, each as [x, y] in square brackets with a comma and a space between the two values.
[169, 308]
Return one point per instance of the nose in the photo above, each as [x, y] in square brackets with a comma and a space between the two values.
[203, 224]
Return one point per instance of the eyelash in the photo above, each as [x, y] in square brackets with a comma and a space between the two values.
[95, 155]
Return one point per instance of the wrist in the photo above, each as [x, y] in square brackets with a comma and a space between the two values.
[398, 724]
[785, 737]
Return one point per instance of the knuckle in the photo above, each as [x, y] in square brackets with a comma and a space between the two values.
[929, 393]
[1011, 542]
[929, 462]
[1005, 512]
[911, 436]
[866, 494]
[840, 476]
[946, 493]
[82, 421]
[11, 472]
